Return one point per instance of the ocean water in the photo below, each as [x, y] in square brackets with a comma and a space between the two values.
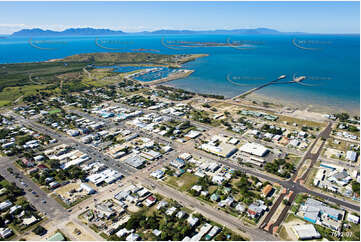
[330, 62]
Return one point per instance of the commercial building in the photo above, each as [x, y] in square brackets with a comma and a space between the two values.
[351, 155]
[316, 211]
[150, 155]
[192, 134]
[135, 161]
[306, 231]
[224, 150]
[87, 188]
[108, 176]
[157, 174]
[178, 163]
[254, 149]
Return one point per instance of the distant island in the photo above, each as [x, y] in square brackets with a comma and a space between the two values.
[92, 31]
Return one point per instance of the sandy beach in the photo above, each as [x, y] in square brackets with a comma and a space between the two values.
[259, 98]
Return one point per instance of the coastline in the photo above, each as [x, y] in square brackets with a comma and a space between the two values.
[282, 103]
[300, 106]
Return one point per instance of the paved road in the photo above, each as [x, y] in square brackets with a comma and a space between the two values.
[51, 208]
[208, 211]
[314, 156]
[283, 214]
[308, 155]
[272, 211]
[290, 185]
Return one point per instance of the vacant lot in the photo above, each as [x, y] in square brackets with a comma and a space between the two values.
[287, 232]
[183, 183]
[78, 233]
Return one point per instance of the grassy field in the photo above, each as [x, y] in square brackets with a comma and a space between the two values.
[10, 94]
[283, 233]
[183, 183]
[351, 234]
[212, 189]
[300, 122]
[311, 176]
[54, 111]
[21, 74]
[300, 198]
[291, 217]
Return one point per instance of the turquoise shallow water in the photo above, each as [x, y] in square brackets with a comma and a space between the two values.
[331, 62]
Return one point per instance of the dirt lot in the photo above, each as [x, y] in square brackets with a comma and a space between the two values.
[331, 153]
[76, 232]
[50, 226]
[292, 221]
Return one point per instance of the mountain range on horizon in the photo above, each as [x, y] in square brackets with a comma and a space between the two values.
[92, 31]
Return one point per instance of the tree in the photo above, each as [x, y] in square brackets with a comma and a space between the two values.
[342, 116]
[54, 164]
[356, 187]
[134, 221]
[40, 230]
[286, 202]
[13, 191]
[163, 236]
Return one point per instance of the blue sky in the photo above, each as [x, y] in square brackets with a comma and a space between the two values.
[312, 17]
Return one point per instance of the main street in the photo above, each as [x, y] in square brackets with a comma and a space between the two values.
[41, 201]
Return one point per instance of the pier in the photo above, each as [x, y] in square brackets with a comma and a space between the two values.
[295, 80]
[244, 94]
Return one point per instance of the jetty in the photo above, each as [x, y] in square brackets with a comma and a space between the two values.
[244, 94]
[277, 81]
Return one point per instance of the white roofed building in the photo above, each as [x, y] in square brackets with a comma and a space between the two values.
[254, 149]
